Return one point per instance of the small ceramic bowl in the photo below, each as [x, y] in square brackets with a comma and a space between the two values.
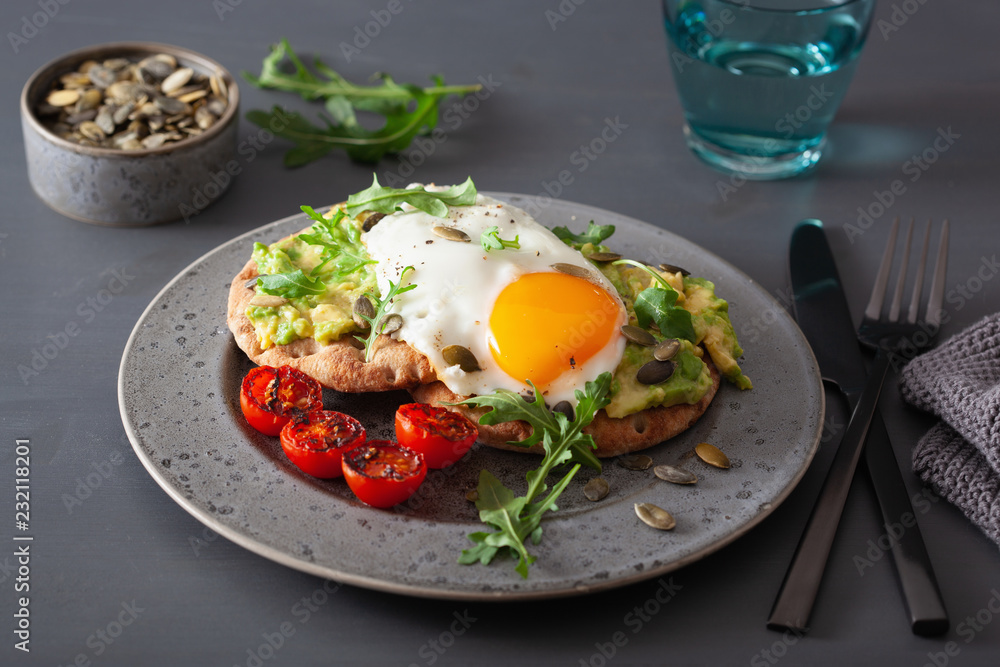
[118, 187]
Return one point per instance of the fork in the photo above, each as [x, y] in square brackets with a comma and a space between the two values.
[888, 336]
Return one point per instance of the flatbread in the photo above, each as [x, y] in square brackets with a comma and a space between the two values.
[395, 365]
[339, 365]
[612, 436]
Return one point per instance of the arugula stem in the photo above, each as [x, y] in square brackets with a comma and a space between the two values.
[660, 279]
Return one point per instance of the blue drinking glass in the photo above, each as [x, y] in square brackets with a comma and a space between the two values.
[760, 80]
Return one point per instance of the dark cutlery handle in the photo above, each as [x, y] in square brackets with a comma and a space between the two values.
[928, 616]
[798, 592]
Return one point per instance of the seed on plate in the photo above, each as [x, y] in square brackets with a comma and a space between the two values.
[566, 408]
[451, 233]
[472, 496]
[456, 355]
[573, 270]
[670, 268]
[655, 372]
[390, 323]
[363, 306]
[711, 455]
[63, 98]
[604, 256]
[268, 300]
[176, 79]
[675, 475]
[596, 489]
[638, 336]
[654, 517]
[635, 462]
[665, 350]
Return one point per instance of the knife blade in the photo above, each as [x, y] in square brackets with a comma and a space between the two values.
[823, 315]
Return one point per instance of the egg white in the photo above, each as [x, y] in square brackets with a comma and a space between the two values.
[458, 283]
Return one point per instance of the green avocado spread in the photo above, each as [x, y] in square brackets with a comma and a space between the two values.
[322, 272]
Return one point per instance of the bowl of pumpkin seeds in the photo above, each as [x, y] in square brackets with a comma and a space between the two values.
[130, 133]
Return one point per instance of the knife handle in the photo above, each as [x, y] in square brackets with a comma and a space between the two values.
[798, 592]
[928, 616]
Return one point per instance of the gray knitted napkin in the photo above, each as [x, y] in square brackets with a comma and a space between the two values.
[959, 381]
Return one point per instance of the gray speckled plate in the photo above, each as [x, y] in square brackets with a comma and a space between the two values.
[179, 397]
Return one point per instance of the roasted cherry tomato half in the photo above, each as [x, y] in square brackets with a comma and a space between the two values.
[270, 397]
[382, 473]
[442, 436]
[316, 441]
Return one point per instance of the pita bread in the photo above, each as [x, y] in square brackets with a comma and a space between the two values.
[612, 436]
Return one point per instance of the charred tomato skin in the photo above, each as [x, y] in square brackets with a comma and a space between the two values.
[270, 397]
[315, 442]
[382, 473]
[441, 435]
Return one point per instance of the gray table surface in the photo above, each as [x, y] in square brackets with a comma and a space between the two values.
[127, 552]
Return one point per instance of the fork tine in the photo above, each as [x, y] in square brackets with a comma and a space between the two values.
[874, 308]
[936, 297]
[918, 285]
[897, 294]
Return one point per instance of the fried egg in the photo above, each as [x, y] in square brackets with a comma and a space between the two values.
[521, 318]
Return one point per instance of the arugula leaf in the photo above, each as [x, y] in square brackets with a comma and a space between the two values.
[376, 324]
[517, 518]
[656, 304]
[595, 234]
[491, 240]
[408, 110]
[337, 241]
[291, 285]
[388, 200]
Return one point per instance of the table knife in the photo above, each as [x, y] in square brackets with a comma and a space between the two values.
[823, 315]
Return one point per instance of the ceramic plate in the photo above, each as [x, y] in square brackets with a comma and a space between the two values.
[179, 398]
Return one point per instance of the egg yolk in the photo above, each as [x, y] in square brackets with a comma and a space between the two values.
[545, 324]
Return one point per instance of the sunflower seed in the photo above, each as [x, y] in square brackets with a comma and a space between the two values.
[218, 84]
[268, 300]
[89, 99]
[77, 118]
[635, 462]
[596, 489]
[106, 119]
[604, 256]
[100, 76]
[390, 323]
[670, 268]
[638, 336]
[170, 105]
[665, 350]
[456, 355]
[711, 455]
[675, 475]
[451, 233]
[154, 141]
[654, 517]
[204, 118]
[655, 372]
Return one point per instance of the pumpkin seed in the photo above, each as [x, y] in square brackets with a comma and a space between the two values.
[711, 455]
[456, 355]
[655, 372]
[363, 306]
[604, 256]
[635, 462]
[675, 475]
[92, 131]
[63, 98]
[472, 496]
[654, 517]
[218, 84]
[169, 105]
[566, 408]
[204, 118]
[371, 221]
[176, 79]
[451, 233]
[390, 324]
[665, 350]
[105, 119]
[596, 489]
[573, 270]
[670, 268]
[638, 336]
[268, 300]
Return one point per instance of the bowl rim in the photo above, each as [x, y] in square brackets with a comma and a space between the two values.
[190, 58]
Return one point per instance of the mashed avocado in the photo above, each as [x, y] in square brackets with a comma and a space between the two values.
[324, 313]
